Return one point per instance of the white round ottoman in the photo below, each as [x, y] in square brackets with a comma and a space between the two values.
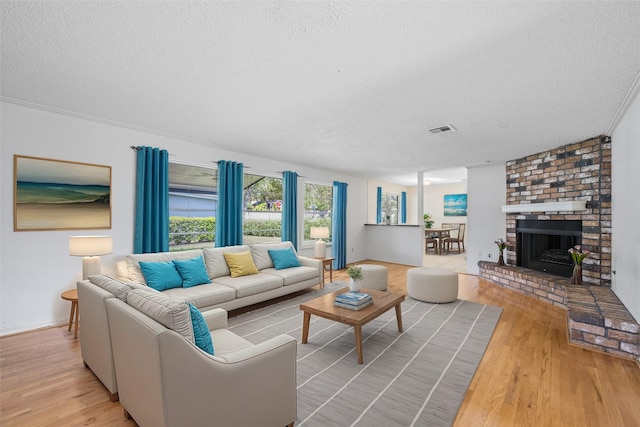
[432, 285]
[374, 277]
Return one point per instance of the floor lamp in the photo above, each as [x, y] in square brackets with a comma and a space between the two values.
[319, 247]
[90, 248]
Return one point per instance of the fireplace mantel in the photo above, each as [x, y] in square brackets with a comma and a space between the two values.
[563, 206]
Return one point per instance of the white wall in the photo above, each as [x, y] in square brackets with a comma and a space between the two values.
[625, 205]
[434, 202]
[35, 266]
[400, 244]
[486, 222]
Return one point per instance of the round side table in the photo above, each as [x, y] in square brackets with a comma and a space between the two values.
[72, 295]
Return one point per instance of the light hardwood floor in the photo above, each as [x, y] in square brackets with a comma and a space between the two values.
[529, 375]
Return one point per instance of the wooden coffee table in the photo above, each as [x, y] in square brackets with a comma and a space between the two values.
[323, 307]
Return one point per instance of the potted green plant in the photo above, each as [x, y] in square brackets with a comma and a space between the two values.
[355, 275]
[428, 222]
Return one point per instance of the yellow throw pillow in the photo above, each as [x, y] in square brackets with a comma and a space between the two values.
[240, 264]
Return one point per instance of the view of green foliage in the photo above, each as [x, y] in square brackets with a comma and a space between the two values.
[183, 230]
[258, 197]
[262, 227]
[390, 207]
[260, 194]
[318, 197]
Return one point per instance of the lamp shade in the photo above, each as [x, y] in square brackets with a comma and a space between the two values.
[319, 232]
[90, 245]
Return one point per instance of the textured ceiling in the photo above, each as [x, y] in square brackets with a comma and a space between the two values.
[346, 86]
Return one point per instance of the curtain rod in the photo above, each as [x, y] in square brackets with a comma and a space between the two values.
[140, 147]
[243, 165]
[299, 176]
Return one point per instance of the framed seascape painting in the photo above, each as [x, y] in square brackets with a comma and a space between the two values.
[53, 194]
[455, 205]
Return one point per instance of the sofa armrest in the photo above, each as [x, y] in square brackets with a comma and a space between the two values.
[95, 339]
[310, 262]
[252, 390]
[256, 350]
[216, 318]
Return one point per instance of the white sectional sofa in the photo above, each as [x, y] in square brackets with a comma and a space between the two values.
[229, 292]
[166, 380]
[224, 292]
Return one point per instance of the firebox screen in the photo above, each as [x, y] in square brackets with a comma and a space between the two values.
[544, 245]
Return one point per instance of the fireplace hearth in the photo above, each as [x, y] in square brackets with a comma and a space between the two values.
[543, 245]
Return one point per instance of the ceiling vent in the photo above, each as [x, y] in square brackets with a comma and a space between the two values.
[445, 128]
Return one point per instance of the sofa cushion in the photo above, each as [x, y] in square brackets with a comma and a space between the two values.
[228, 343]
[260, 252]
[240, 264]
[293, 275]
[284, 258]
[171, 313]
[161, 275]
[133, 261]
[215, 262]
[252, 284]
[192, 271]
[261, 257]
[111, 284]
[204, 295]
[201, 333]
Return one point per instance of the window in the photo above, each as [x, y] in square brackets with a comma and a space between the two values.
[262, 216]
[193, 201]
[318, 203]
[390, 207]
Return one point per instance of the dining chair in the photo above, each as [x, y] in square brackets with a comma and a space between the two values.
[430, 239]
[457, 240]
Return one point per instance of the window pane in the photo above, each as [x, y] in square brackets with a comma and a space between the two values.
[318, 203]
[262, 216]
[193, 201]
[390, 207]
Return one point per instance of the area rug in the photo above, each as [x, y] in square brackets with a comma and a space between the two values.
[415, 378]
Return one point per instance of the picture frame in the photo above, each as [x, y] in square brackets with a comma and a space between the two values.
[51, 194]
[455, 205]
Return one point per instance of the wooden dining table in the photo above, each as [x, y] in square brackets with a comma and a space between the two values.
[441, 234]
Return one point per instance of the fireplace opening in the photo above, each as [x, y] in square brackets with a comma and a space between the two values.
[544, 245]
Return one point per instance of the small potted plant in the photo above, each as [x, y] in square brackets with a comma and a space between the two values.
[502, 244]
[577, 255]
[428, 222]
[355, 275]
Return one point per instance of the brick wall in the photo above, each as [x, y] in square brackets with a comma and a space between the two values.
[579, 171]
[543, 286]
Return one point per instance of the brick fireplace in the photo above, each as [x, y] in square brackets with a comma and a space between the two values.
[540, 237]
[580, 171]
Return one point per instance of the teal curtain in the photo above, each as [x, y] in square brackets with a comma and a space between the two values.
[403, 208]
[379, 206]
[151, 232]
[339, 225]
[230, 196]
[290, 207]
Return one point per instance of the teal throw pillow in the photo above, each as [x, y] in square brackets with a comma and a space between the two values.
[200, 330]
[192, 271]
[161, 275]
[284, 258]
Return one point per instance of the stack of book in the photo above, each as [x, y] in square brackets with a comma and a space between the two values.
[353, 300]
